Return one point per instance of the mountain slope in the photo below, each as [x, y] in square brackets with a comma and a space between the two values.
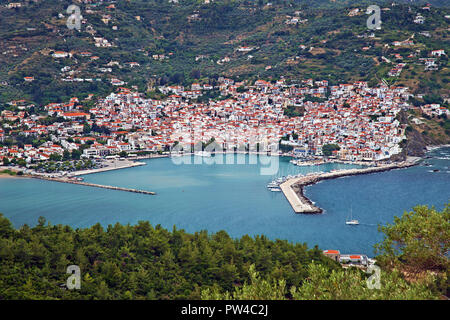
[191, 41]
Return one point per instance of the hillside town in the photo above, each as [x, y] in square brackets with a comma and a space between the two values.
[359, 119]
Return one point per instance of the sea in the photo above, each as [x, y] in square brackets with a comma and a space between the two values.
[195, 193]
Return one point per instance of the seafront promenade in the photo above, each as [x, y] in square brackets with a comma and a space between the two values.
[293, 188]
[108, 166]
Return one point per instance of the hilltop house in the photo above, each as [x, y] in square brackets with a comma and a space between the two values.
[438, 53]
[61, 54]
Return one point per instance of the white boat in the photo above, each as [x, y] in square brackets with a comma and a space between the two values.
[275, 189]
[352, 221]
[203, 154]
[303, 164]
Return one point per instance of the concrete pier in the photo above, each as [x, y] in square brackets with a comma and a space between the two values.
[109, 165]
[293, 188]
[65, 180]
[294, 194]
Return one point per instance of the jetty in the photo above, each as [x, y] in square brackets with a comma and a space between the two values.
[293, 188]
[87, 184]
[109, 165]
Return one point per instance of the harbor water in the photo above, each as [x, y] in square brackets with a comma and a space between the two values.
[234, 198]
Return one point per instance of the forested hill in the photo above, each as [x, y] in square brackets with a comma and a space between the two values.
[152, 42]
[146, 262]
[140, 261]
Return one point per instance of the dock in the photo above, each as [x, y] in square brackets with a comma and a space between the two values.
[294, 194]
[109, 165]
[293, 188]
[87, 184]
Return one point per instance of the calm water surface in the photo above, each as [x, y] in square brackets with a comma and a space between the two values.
[235, 198]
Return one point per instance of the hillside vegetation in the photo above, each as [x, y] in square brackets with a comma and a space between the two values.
[145, 262]
[186, 42]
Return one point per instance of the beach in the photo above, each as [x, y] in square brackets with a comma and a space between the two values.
[6, 176]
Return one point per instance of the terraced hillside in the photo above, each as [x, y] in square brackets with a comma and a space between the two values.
[144, 43]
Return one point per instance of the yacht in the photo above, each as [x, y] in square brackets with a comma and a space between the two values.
[352, 221]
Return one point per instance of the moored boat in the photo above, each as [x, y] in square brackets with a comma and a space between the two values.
[203, 154]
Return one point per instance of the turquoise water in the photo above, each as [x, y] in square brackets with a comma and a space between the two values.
[234, 198]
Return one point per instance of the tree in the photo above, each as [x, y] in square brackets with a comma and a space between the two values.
[55, 157]
[418, 241]
[76, 154]
[21, 162]
[350, 284]
[6, 227]
[257, 289]
[66, 155]
[240, 89]
[195, 74]
[327, 149]
[145, 262]
[41, 221]
[86, 128]
[325, 284]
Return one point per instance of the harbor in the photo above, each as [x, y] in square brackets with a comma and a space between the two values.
[293, 188]
[234, 198]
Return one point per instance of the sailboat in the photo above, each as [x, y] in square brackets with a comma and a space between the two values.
[352, 221]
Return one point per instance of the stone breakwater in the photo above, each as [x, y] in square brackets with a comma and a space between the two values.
[65, 180]
[293, 188]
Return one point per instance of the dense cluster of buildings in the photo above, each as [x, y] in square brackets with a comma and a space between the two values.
[359, 119]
